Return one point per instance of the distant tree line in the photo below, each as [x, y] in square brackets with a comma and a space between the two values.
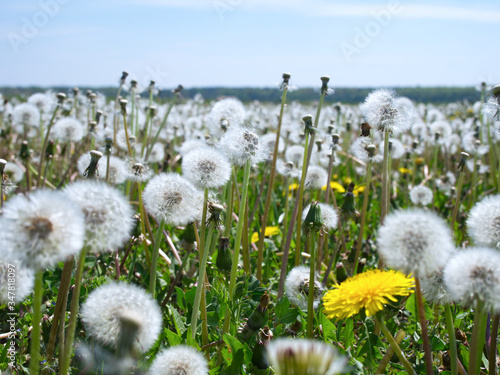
[247, 94]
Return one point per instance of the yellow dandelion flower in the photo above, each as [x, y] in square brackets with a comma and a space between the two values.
[405, 171]
[335, 186]
[369, 290]
[358, 190]
[270, 231]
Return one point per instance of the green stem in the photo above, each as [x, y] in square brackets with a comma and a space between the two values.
[44, 145]
[154, 261]
[201, 280]
[237, 243]
[37, 317]
[129, 149]
[312, 272]
[385, 179]
[423, 325]
[75, 303]
[492, 354]
[162, 125]
[452, 340]
[457, 201]
[394, 345]
[260, 245]
[477, 339]
[363, 216]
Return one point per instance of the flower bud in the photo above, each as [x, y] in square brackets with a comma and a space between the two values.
[314, 219]
[348, 209]
[224, 258]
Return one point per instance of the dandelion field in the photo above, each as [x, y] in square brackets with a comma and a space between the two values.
[144, 236]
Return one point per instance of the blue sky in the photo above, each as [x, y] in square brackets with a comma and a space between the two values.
[249, 42]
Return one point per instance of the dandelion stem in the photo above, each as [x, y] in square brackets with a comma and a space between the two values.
[385, 179]
[201, 279]
[60, 308]
[237, 243]
[310, 298]
[260, 246]
[44, 145]
[477, 339]
[37, 317]
[457, 200]
[492, 354]
[451, 338]
[75, 303]
[154, 261]
[389, 353]
[423, 325]
[129, 148]
[363, 215]
[162, 125]
[394, 345]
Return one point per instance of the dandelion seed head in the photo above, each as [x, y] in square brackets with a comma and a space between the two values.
[42, 101]
[472, 275]
[173, 199]
[414, 241]
[483, 223]
[297, 287]
[226, 114]
[13, 172]
[421, 195]
[379, 110]
[360, 151]
[316, 177]
[42, 228]
[303, 356]
[295, 154]
[240, 145]
[102, 311]
[179, 360]
[68, 129]
[25, 114]
[206, 168]
[108, 215]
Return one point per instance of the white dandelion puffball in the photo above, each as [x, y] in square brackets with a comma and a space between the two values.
[180, 359]
[24, 279]
[173, 199]
[305, 357]
[295, 154]
[483, 223]
[421, 195]
[226, 114]
[206, 168]
[108, 214]
[434, 289]
[359, 149]
[415, 241]
[316, 177]
[297, 287]
[68, 130]
[104, 307]
[42, 228]
[241, 145]
[330, 216]
[473, 275]
[380, 111]
[42, 101]
[25, 114]
[118, 169]
[13, 172]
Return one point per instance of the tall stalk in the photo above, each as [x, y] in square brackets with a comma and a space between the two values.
[37, 317]
[477, 339]
[154, 261]
[260, 245]
[298, 204]
[423, 325]
[237, 243]
[452, 339]
[65, 361]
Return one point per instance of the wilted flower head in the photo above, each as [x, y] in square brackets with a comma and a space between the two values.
[421, 195]
[108, 215]
[379, 110]
[104, 307]
[240, 145]
[206, 168]
[473, 275]
[180, 359]
[414, 241]
[330, 216]
[173, 199]
[23, 280]
[483, 223]
[41, 229]
[297, 287]
[304, 357]
[68, 129]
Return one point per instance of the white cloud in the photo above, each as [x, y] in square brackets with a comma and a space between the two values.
[322, 8]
